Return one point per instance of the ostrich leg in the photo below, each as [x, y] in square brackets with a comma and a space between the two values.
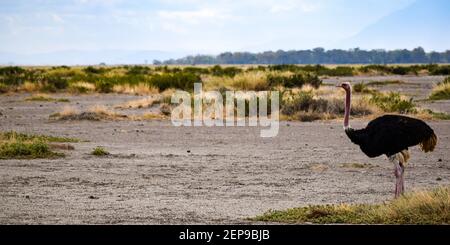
[400, 182]
[398, 172]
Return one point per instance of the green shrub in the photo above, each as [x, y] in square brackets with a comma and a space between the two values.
[182, 80]
[12, 135]
[138, 70]
[28, 150]
[441, 92]
[318, 70]
[11, 70]
[339, 71]
[93, 70]
[441, 70]
[299, 102]
[3, 88]
[196, 70]
[12, 75]
[231, 71]
[360, 88]
[393, 102]
[99, 151]
[294, 80]
[364, 88]
[104, 86]
[56, 82]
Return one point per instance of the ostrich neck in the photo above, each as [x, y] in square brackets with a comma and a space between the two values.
[348, 94]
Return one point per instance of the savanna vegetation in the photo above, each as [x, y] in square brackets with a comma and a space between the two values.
[303, 96]
[421, 207]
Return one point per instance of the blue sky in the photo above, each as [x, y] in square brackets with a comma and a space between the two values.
[189, 26]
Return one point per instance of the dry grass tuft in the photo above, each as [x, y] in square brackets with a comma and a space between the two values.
[81, 87]
[255, 80]
[45, 98]
[68, 111]
[148, 116]
[29, 87]
[139, 89]
[95, 113]
[318, 167]
[441, 92]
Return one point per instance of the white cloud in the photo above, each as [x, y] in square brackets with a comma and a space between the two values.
[56, 18]
[193, 17]
[173, 28]
[291, 5]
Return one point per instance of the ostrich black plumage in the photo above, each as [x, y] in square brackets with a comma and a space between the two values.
[390, 135]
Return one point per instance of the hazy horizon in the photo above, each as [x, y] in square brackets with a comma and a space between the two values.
[34, 31]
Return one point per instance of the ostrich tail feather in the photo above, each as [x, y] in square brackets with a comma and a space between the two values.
[429, 143]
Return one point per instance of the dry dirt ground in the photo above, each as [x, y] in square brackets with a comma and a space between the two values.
[161, 174]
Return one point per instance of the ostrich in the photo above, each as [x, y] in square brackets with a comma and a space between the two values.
[390, 135]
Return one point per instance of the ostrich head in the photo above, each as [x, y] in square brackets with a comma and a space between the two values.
[346, 86]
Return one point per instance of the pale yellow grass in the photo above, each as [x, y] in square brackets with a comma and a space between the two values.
[29, 87]
[441, 92]
[139, 89]
[255, 80]
[148, 116]
[39, 95]
[85, 85]
[101, 109]
[68, 111]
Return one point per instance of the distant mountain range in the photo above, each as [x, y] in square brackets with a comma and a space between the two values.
[81, 57]
[424, 23]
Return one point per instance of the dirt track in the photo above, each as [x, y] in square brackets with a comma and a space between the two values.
[229, 174]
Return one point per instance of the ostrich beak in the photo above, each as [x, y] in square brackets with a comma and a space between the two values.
[339, 86]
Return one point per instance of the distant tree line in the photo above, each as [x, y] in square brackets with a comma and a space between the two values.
[317, 56]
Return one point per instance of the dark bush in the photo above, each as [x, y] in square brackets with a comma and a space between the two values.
[138, 70]
[196, 70]
[11, 70]
[441, 70]
[12, 75]
[104, 86]
[57, 82]
[227, 71]
[184, 81]
[295, 80]
[339, 71]
[300, 102]
[400, 70]
[93, 70]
